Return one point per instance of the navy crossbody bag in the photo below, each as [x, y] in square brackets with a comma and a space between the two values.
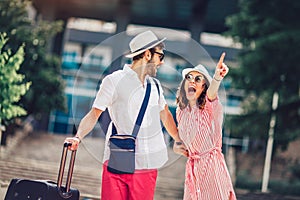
[122, 147]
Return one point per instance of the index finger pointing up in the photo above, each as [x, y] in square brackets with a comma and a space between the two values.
[221, 60]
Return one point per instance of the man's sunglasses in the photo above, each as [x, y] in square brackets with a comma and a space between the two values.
[161, 56]
[197, 79]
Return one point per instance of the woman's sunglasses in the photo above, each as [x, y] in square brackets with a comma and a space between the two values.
[161, 55]
[197, 79]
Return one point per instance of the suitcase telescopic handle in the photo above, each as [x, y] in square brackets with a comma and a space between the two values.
[62, 166]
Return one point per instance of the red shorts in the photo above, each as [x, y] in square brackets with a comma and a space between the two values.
[137, 186]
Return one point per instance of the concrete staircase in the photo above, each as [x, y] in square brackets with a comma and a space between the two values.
[25, 168]
[37, 157]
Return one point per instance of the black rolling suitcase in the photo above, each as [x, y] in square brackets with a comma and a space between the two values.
[22, 189]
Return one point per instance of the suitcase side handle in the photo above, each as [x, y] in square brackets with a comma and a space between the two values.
[62, 167]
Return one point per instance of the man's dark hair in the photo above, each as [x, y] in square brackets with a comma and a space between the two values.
[152, 50]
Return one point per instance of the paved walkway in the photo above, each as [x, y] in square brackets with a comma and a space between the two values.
[38, 157]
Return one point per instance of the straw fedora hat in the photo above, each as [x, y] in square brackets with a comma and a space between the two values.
[142, 42]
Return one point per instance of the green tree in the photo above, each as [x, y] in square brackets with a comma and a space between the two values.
[40, 67]
[270, 34]
[12, 85]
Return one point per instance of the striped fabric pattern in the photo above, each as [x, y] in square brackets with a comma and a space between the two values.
[206, 176]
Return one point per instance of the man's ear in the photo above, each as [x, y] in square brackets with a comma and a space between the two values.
[148, 55]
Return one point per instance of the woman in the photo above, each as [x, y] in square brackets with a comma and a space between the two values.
[199, 115]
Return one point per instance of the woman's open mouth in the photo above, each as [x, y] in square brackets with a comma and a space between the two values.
[191, 90]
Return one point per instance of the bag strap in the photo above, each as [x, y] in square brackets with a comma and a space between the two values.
[141, 114]
[158, 90]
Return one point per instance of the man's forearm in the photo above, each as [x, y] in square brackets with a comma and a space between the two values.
[169, 123]
[88, 123]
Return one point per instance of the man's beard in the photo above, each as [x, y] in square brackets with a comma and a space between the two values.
[151, 69]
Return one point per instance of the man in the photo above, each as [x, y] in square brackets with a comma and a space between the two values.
[122, 93]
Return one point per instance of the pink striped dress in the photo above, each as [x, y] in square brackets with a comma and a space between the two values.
[206, 176]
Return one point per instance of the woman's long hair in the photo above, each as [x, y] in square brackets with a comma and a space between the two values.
[183, 102]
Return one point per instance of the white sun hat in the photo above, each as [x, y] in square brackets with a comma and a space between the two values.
[142, 42]
[199, 68]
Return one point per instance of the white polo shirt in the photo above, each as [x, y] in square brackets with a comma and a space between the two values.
[122, 93]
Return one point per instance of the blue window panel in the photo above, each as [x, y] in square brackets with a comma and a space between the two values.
[69, 60]
[60, 127]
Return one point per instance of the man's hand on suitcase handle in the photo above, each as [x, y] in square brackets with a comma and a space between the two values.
[74, 143]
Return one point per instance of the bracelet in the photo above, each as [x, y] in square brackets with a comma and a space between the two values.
[216, 79]
[78, 138]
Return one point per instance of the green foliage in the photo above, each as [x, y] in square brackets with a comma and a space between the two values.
[40, 67]
[244, 181]
[285, 188]
[270, 36]
[295, 171]
[12, 85]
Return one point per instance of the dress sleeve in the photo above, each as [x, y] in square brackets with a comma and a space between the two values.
[215, 109]
[178, 114]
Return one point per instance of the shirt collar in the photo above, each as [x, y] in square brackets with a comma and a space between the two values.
[127, 69]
